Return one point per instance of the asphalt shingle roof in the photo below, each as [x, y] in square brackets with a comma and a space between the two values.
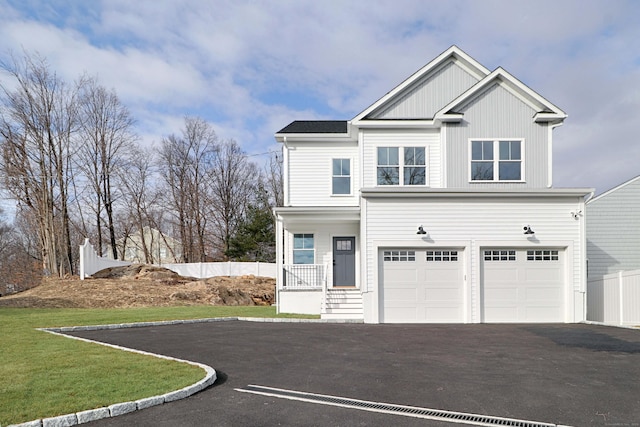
[315, 126]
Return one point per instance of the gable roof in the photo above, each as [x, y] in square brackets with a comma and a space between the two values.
[616, 188]
[454, 53]
[315, 126]
[546, 111]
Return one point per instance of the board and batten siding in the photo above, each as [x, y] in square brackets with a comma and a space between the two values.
[479, 223]
[498, 114]
[430, 139]
[613, 230]
[310, 171]
[427, 96]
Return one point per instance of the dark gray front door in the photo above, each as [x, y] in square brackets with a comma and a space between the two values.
[344, 261]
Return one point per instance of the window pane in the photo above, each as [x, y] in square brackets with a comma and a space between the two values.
[308, 241]
[383, 158]
[414, 156]
[341, 185]
[303, 241]
[346, 167]
[388, 176]
[337, 166]
[482, 171]
[509, 150]
[476, 150]
[414, 176]
[393, 156]
[487, 150]
[342, 167]
[505, 150]
[388, 156]
[303, 256]
[510, 171]
[515, 150]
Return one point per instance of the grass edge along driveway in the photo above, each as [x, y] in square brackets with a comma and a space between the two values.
[44, 375]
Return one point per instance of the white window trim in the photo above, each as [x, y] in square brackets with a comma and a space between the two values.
[350, 177]
[401, 165]
[496, 160]
[292, 246]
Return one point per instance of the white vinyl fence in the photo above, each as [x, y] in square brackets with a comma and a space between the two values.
[91, 263]
[202, 270]
[615, 299]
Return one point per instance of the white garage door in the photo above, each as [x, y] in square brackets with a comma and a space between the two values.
[422, 286]
[522, 285]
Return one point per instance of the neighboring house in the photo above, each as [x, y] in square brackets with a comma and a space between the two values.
[613, 230]
[434, 204]
[161, 249]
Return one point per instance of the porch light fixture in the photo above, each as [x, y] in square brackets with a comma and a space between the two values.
[421, 230]
[528, 230]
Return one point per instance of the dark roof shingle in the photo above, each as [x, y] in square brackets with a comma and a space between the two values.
[315, 126]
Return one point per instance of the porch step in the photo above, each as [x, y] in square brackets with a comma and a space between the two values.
[343, 304]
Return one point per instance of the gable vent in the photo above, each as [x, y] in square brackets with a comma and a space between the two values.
[389, 408]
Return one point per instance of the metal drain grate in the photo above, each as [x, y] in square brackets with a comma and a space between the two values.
[412, 411]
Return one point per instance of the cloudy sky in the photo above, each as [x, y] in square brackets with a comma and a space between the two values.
[251, 67]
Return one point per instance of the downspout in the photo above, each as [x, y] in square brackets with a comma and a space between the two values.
[585, 268]
[279, 259]
[285, 160]
[550, 153]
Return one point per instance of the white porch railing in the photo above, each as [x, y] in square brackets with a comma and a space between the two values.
[303, 276]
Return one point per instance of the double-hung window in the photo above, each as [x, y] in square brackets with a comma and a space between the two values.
[496, 160]
[388, 166]
[414, 166]
[303, 249]
[401, 166]
[341, 176]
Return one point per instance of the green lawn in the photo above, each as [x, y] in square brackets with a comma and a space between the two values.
[43, 375]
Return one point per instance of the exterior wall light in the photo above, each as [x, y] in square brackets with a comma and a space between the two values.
[421, 230]
[528, 230]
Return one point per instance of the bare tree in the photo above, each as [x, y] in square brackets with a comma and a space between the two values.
[274, 180]
[19, 270]
[38, 117]
[185, 162]
[107, 138]
[140, 196]
[234, 180]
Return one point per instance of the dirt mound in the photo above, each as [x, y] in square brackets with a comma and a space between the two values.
[144, 286]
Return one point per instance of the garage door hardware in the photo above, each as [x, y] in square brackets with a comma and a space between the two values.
[411, 411]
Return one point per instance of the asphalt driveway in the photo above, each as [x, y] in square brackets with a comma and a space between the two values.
[577, 375]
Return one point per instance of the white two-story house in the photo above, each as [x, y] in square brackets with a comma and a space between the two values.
[434, 204]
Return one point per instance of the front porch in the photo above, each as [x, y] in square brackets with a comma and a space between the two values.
[305, 290]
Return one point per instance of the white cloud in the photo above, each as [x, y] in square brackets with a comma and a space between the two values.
[252, 67]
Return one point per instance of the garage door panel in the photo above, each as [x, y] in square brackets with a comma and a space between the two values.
[401, 275]
[443, 314]
[500, 293]
[501, 275]
[401, 314]
[543, 275]
[542, 313]
[443, 294]
[428, 289]
[401, 294]
[526, 286]
[549, 294]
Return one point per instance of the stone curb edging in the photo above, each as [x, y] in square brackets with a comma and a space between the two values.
[127, 407]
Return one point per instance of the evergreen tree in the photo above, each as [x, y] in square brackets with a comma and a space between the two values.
[255, 238]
